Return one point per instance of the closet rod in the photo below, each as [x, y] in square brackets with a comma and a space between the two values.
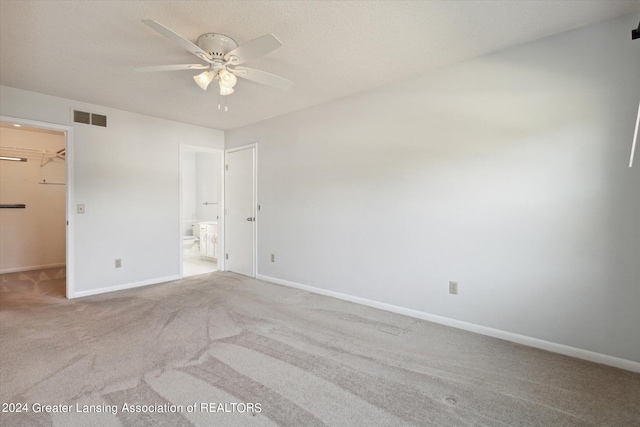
[26, 150]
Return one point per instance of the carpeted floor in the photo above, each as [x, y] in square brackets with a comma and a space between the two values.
[272, 355]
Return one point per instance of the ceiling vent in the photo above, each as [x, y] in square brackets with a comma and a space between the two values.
[99, 120]
[82, 117]
[89, 118]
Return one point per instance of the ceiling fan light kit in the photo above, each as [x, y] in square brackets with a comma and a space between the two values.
[227, 79]
[222, 55]
[226, 90]
[203, 79]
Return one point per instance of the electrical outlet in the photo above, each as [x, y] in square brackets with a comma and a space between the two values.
[118, 263]
[273, 257]
[453, 288]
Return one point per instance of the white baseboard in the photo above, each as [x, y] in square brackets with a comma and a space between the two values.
[123, 287]
[471, 327]
[31, 268]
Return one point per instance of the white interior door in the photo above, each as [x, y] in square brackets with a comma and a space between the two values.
[240, 203]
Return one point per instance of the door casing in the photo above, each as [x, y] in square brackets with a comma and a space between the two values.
[70, 247]
[221, 187]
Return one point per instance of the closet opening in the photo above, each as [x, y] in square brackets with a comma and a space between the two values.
[33, 207]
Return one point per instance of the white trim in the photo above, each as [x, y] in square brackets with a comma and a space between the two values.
[71, 246]
[471, 327]
[180, 201]
[253, 146]
[635, 138]
[255, 209]
[32, 267]
[222, 220]
[220, 152]
[70, 229]
[242, 147]
[126, 286]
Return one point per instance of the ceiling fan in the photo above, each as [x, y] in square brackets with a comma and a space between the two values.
[223, 55]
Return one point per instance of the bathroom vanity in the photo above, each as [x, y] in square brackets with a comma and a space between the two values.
[209, 239]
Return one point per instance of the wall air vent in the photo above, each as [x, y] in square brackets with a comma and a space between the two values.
[98, 120]
[82, 117]
[89, 118]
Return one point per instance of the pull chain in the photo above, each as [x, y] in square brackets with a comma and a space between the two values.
[226, 109]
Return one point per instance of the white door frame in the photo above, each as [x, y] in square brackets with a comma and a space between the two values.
[199, 149]
[255, 201]
[70, 247]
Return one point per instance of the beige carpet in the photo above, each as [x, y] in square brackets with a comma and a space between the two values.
[275, 356]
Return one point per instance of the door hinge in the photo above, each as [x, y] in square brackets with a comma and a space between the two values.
[226, 167]
[226, 256]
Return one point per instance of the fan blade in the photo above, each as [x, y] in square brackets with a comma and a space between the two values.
[174, 67]
[262, 77]
[178, 39]
[253, 49]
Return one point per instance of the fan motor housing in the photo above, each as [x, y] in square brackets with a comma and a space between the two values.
[217, 45]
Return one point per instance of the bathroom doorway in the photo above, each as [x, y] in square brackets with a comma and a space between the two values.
[201, 210]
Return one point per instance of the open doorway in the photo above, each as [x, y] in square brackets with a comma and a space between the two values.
[201, 206]
[33, 213]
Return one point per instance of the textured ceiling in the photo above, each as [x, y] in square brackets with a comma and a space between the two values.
[87, 50]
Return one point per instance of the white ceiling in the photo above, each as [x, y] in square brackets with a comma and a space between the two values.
[87, 50]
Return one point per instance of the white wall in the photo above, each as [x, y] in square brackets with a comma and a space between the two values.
[127, 175]
[507, 173]
[33, 237]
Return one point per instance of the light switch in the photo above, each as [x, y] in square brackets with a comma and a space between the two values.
[81, 209]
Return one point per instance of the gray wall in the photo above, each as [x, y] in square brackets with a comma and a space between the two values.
[507, 173]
